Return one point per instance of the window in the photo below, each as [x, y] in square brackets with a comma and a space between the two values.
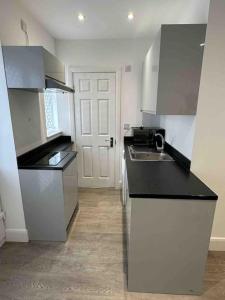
[51, 113]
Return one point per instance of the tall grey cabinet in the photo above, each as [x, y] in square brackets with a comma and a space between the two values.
[172, 70]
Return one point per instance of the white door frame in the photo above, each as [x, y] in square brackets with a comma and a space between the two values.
[118, 148]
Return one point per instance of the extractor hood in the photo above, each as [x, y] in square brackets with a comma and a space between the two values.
[33, 68]
[53, 85]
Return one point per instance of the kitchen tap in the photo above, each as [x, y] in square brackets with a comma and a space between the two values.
[162, 140]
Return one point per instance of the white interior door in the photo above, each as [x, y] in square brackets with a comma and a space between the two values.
[95, 126]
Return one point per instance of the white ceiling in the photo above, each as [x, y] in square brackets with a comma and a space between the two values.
[108, 18]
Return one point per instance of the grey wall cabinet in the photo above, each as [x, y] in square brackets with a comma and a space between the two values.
[172, 70]
[28, 67]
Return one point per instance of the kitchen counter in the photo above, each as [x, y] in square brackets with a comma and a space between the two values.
[167, 180]
[62, 143]
[49, 186]
[168, 215]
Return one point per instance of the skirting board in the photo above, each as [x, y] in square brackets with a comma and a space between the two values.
[217, 244]
[2, 242]
[17, 235]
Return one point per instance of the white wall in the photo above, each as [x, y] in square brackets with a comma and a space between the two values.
[179, 132]
[11, 12]
[209, 142]
[9, 177]
[24, 105]
[25, 114]
[111, 53]
[180, 129]
[10, 33]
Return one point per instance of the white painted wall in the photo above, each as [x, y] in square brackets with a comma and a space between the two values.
[179, 132]
[2, 224]
[11, 12]
[180, 129]
[25, 114]
[111, 53]
[209, 142]
[9, 177]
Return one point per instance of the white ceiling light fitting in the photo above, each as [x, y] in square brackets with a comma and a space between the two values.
[130, 16]
[81, 17]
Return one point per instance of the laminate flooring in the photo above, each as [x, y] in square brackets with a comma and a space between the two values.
[91, 265]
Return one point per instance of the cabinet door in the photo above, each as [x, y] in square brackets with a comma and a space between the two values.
[24, 67]
[53, 67]
[124, 178]
[70, 190]
[180, 68]
[150, 77]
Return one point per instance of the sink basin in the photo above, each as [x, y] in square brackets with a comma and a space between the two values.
[150, 155]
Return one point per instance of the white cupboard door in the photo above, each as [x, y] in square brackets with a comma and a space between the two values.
[95, 126]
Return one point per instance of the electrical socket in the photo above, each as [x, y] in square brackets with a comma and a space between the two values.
[128, 68]
[126, 126]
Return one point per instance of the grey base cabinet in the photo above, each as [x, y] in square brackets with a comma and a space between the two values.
[167, 243]
[49, 199]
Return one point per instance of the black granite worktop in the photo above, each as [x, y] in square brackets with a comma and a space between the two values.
[166, 180]
[62, 143]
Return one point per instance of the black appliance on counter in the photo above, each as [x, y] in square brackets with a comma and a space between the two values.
[145, 136]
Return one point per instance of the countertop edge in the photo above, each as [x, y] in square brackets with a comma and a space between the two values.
[181, 197]
[50, 168]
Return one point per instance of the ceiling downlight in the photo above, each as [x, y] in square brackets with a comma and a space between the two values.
[81, 17]
[130, 16]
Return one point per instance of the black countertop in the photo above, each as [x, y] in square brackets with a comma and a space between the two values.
[29, 160]
[163, 180]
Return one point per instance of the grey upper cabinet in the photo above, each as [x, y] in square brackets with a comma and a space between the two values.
[172, 70]
[27, 67]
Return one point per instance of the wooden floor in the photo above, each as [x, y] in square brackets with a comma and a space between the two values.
[91, 265]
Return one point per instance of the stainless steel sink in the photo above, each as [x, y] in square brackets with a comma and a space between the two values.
[148, 155]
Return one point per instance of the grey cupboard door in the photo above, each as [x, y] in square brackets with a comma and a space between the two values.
[180, 68]
[172, 70]
[70, 190]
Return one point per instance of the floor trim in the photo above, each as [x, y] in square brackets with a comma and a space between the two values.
[17, 235]
[217, 244]
[2, 242]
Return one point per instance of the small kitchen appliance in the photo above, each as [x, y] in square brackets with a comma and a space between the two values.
[145, 136]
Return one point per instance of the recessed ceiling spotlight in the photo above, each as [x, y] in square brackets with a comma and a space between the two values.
[81, 17]
[130, 16]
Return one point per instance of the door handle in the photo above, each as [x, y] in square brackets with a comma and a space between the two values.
[111, 142]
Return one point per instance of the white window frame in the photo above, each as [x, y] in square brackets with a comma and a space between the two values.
[46, 134]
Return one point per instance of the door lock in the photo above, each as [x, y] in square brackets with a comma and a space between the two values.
[111, 142]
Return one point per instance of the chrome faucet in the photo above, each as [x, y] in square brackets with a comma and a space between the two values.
[162, 140]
